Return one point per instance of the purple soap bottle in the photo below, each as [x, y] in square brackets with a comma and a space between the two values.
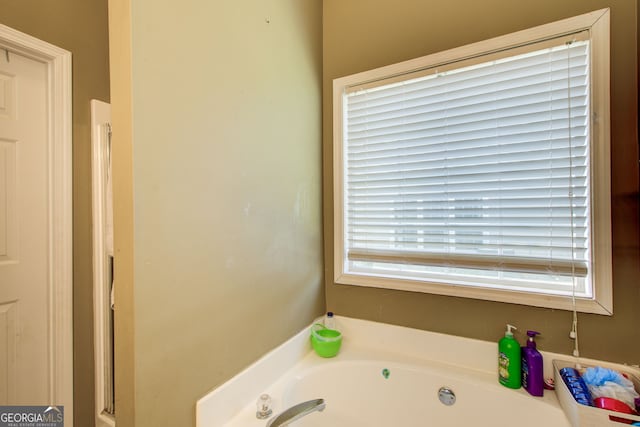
[532, 374]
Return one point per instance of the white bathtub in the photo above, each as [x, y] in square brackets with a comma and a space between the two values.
[357, 393]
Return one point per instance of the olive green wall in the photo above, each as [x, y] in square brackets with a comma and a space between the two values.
[79, 26]
[359, 35]
[225, 258]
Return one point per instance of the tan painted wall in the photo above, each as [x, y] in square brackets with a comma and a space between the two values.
[225, 258]
[122, 166]
[363, 34]
[79, 26]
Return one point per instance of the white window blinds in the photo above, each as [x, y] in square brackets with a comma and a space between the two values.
[476, 175]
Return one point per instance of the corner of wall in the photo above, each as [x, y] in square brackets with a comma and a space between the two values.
[120, 68]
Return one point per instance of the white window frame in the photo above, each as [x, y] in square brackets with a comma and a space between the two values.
[598, 25]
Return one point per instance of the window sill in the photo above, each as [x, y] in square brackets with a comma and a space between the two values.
[603, 305]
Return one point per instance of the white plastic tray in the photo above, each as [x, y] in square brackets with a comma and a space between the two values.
[589, 416]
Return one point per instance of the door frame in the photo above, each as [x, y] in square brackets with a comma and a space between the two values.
[100, 186]
[60, 245]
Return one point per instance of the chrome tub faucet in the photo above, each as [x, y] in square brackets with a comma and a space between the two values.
[296, 412]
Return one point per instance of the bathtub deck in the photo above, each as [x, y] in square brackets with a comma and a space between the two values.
[449, 359]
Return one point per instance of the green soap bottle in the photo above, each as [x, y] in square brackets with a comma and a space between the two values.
[509, 361]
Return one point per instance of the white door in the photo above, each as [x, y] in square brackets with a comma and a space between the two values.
[25, 368]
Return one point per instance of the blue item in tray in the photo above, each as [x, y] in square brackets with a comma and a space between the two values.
[576, 386]
[598, 376]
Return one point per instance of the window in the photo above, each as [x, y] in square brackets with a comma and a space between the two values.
[482, 171]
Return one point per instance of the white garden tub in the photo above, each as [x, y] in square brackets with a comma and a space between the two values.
[385, 393]
[383, 376]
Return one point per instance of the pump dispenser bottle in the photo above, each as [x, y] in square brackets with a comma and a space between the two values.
[509, 363]
[532, 374]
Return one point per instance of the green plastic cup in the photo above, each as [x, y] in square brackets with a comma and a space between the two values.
[325, 342]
